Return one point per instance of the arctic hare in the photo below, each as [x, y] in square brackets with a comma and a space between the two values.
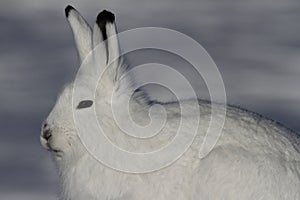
[255, 158]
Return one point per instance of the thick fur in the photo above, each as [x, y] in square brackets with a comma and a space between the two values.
[255, 158]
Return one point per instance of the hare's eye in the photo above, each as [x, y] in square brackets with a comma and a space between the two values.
[85, 104]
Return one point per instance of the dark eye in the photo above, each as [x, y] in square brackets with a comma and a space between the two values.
[85, 104]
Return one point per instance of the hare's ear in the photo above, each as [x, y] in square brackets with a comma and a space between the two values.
[105, 38]
[81, 31]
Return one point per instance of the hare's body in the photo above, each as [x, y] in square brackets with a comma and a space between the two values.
[255, 158]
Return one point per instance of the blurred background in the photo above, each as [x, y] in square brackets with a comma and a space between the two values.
[255, 44]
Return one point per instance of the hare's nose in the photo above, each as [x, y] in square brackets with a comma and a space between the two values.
[45, 125]
[46, 132]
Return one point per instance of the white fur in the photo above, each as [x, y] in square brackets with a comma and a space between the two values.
[255, 157]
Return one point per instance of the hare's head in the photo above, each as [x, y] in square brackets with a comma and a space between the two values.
[98, 49]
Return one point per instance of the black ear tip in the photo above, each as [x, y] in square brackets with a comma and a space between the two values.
[68, 9]
[105, 16]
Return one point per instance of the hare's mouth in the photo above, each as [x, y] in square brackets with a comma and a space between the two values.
[46, 144]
